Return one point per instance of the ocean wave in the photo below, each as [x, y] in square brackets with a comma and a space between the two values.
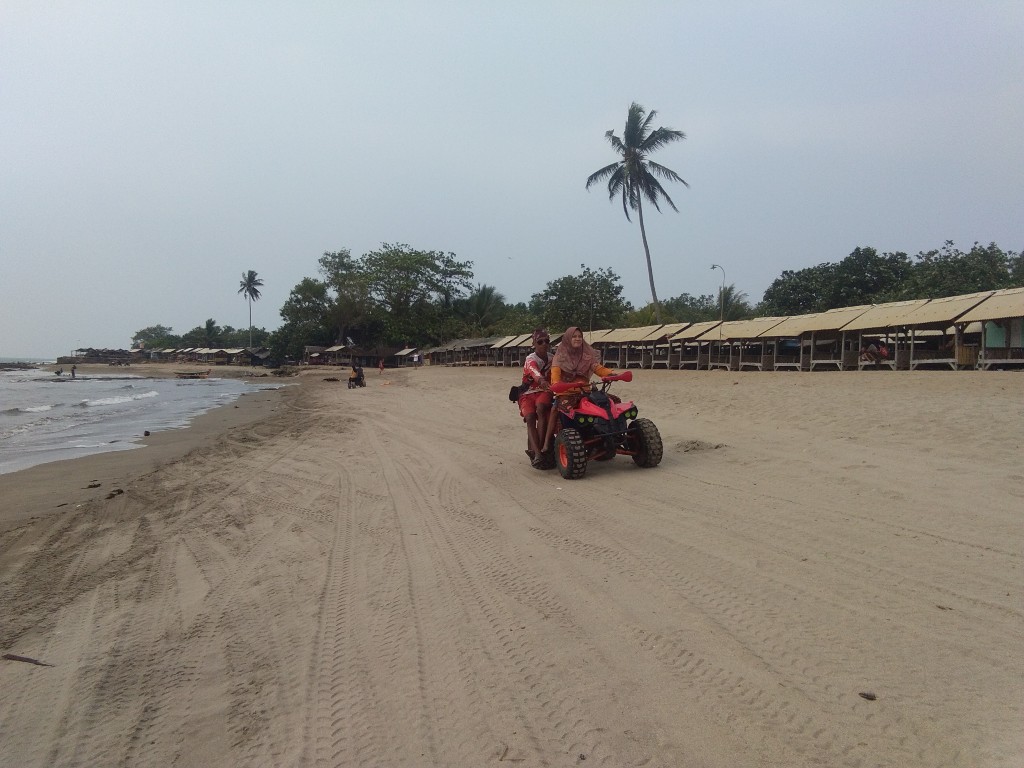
[118, 399]
[28, 409]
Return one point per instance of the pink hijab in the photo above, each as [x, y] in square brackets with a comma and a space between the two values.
[575, 364]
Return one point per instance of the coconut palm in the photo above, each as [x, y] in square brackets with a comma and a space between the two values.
[633, 177]
[482, 308]
[250, 288]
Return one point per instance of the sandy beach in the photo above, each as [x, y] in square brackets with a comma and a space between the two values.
[825, 570]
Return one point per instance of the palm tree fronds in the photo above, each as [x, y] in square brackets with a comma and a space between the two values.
[666, 173]
[660, 138]
[597, 176]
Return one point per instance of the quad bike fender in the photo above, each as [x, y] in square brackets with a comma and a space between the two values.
[588, 408]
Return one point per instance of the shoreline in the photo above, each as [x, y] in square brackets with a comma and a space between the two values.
[150, 370]
[58, 485]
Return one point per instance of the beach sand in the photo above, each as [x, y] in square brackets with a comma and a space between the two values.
[825, 570]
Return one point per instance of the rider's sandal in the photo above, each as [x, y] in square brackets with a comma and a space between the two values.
[531, 454]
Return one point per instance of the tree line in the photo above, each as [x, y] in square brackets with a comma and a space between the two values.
[400, 296]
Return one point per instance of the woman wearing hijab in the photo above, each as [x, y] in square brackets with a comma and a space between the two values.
[576, 361]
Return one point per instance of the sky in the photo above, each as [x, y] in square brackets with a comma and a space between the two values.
[153, 152]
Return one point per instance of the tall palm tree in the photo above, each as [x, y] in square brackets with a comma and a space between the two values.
[250, 288]
[633, 176]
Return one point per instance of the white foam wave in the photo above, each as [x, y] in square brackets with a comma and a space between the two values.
[119, 399]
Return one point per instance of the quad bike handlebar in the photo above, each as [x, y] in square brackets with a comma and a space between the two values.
[561, 387]
[624, 376]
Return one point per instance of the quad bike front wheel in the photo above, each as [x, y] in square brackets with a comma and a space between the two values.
[645, 440]
[570, 454]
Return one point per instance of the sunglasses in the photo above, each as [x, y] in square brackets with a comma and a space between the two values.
[542, 341]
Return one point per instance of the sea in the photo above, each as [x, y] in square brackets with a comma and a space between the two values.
[45, 417]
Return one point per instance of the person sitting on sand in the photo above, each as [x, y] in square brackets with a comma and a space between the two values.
[356, 378]
[535, 401]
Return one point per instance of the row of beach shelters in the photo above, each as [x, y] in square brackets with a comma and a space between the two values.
[209, 355]
[981, 330]
[512, 350]
[479, 351]
[407, 356]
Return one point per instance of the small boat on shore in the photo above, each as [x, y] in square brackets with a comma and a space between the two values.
[192, 374]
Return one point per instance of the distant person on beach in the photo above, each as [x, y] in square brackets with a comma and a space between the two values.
[380, 366]
[59, 371]
[73, 371]
[874, 351]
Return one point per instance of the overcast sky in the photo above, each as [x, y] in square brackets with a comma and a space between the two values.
[151, 152]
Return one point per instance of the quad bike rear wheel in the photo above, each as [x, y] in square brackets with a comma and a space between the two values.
[645, 440]
[570, 454]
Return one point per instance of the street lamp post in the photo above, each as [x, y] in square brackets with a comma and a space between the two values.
[721, 298]
[721, 317]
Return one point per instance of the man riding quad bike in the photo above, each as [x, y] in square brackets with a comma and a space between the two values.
[595, 426]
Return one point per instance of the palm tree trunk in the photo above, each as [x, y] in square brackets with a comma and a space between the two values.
[650, 269]
[249, 299]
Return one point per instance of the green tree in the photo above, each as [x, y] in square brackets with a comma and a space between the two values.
[481, 309]
[867, 277]
[592, 299]
[156, 337]
[307, 320]
[206, 335]
[307, 303]
[249, 287]
[211, 333]
[348, 282]
[733, 303]
[634, 176]
[685, 308]
[799, 292]
[1015, 264]
[516, 319]
[949, 271]
[413, 291]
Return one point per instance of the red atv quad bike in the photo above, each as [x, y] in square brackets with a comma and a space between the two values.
[596, 426]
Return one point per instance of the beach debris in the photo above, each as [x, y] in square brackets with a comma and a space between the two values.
[504, 758]
[146, 433]
[332, 378]
[26, 660]
[867, 695]
[943, 607]
[115, 492]
[94, 484]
